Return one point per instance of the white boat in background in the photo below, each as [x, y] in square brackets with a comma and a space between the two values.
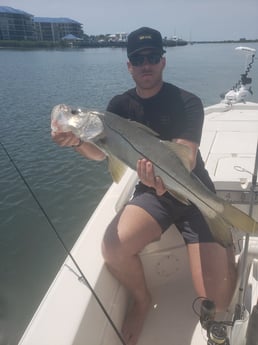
[70, 314]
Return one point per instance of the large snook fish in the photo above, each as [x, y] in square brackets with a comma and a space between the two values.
[125, 142]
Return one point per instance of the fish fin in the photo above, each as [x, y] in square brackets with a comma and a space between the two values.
[179, 197]
[239, 219]
[220, 230]
[116, 168]
[229, 219]
[182, 152]
[145, 128]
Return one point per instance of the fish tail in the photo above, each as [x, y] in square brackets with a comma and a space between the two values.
[222, 224]
[239, 219]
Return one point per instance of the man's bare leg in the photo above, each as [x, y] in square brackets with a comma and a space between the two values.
[126, 236]
[214, 272]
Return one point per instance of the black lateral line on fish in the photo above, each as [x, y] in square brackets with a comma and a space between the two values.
[131, 144]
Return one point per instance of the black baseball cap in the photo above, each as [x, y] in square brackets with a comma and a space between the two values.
[144, 38]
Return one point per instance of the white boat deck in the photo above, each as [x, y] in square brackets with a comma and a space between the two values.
[228, 147]
[172, 319]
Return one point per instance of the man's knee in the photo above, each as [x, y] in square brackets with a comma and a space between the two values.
[129, 233]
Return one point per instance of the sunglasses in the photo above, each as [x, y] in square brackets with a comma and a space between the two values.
[138, 60]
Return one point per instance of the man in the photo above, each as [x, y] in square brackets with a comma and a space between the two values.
[176, 115]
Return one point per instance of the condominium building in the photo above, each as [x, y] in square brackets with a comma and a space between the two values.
[19, 25]
[16, 24]
[55, 29]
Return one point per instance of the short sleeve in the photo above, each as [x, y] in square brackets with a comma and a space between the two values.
[194, 116]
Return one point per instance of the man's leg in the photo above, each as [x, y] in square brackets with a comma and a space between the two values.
[125, 237]
[213, 271]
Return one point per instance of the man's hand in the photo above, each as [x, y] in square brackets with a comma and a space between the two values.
[146, 175]
[64, 138]
[86, 149]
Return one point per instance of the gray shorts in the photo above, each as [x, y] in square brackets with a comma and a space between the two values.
[167, 210]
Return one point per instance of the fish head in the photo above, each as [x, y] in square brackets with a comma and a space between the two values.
[85, 124]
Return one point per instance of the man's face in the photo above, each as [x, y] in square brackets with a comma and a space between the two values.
[146, 68]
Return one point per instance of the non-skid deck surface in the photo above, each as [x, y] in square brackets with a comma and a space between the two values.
[172, 320]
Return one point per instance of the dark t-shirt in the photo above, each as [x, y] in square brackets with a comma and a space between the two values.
[172, 113]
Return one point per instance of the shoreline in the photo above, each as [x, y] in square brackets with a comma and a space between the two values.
[85, 44]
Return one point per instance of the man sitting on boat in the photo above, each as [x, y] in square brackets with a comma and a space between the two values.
[176, 115]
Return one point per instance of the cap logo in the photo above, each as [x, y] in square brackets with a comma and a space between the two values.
[145, 37]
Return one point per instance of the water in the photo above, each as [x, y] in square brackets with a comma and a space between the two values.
[67, 185]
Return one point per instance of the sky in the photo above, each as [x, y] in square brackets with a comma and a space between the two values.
[197, 20]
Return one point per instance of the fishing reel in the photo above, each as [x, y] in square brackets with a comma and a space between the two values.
[217, 334]
[216, 331]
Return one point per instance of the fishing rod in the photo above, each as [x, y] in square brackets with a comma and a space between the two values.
[68, 252]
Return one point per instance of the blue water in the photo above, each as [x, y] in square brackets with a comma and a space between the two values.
[67, 185]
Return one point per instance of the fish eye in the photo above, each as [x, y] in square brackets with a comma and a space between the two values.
[76, 111]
